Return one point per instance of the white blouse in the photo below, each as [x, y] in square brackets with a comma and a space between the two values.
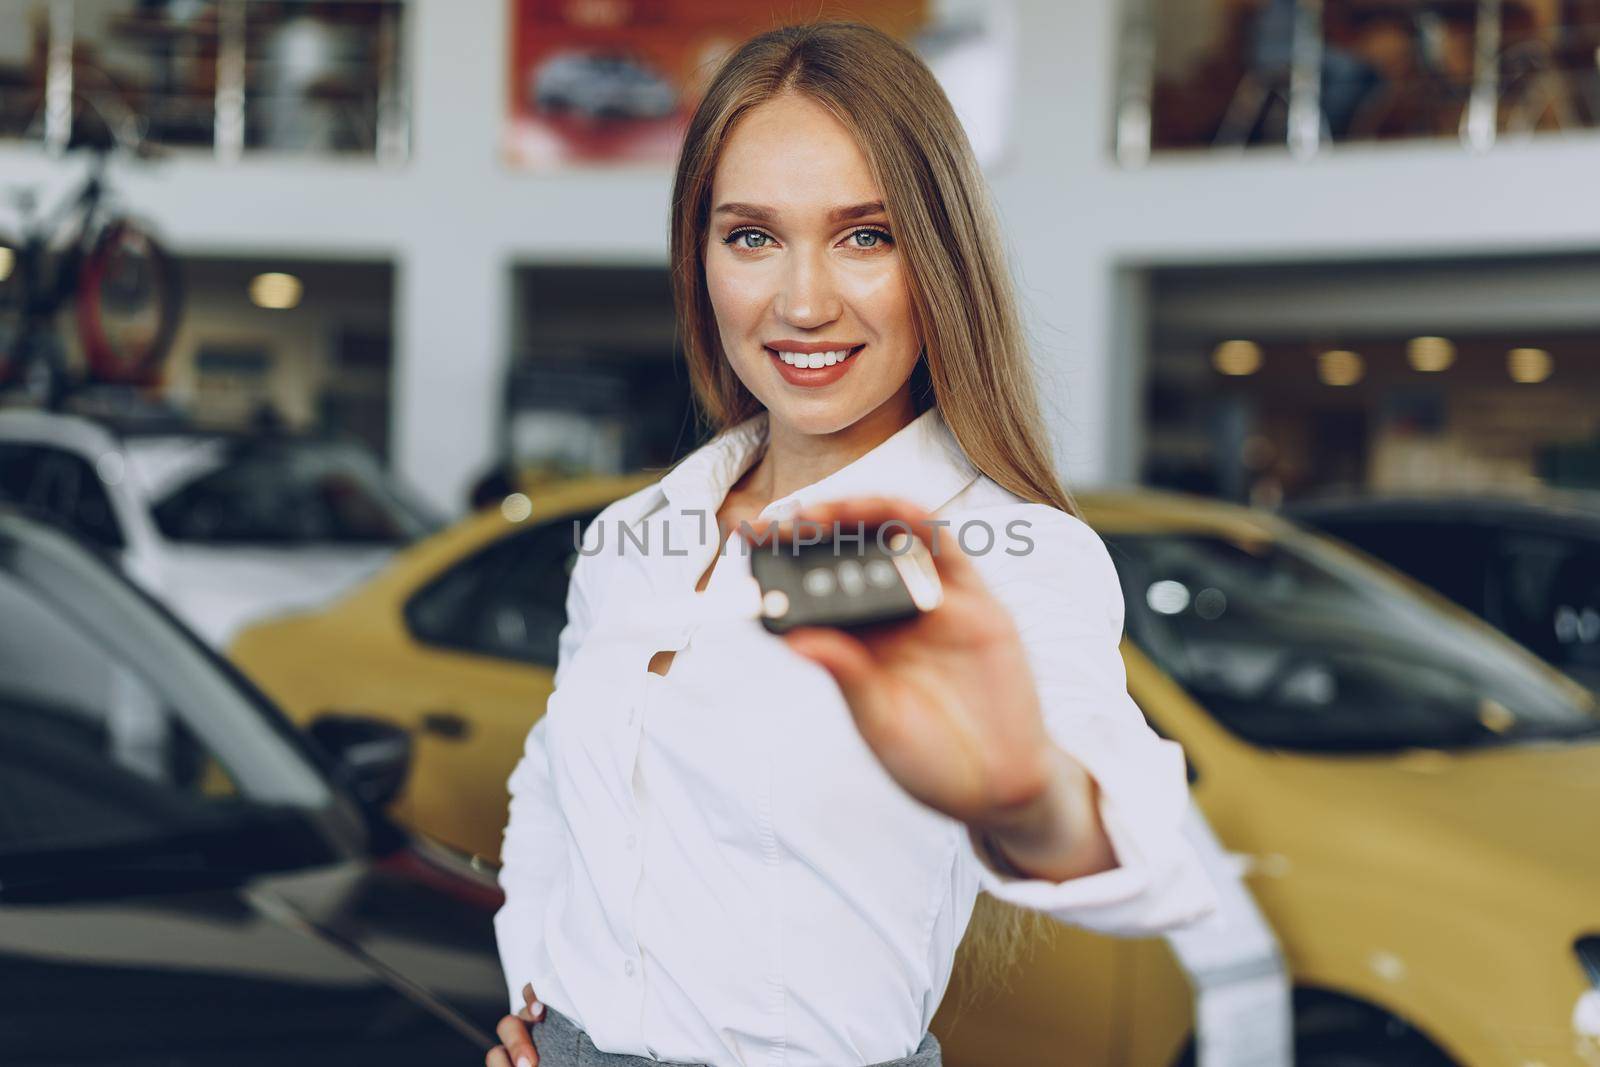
[711, 866]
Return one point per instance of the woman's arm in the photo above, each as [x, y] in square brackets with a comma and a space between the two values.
[1007, 708]
[1102, 845]
[534, 845]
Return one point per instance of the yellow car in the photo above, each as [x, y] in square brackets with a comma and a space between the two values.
[1411, 797]
[456, 641]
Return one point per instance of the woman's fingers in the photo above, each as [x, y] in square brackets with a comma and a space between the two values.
[498, 1057]
[532, 1010]
[513, 1034]
[840, 654]
[872, 513]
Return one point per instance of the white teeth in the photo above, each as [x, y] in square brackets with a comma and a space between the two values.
[814, 359]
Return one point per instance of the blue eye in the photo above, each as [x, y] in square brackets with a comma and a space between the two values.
[881, 237]
[736, 234]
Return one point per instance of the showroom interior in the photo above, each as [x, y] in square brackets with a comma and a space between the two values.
[1297, 277]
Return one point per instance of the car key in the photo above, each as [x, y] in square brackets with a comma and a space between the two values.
[844, 584]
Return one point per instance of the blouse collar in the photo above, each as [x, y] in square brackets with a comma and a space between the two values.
[921, 462]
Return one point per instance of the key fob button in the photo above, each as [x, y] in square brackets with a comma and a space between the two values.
[881, 573]
[850, 577]
[819, 581]
[844, 584]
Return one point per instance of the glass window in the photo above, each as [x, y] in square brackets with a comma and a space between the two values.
[291, 493]
[61, 486]
[91, 754]
[508, 600]
[1226, 73]
[1299, 646]
[1549, 598]
[261, 74]
[121, 736]
[1446, 555]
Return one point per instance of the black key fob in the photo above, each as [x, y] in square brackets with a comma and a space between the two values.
[844, 583]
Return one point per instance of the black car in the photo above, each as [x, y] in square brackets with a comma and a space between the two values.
[1528, 564]
[184, 879]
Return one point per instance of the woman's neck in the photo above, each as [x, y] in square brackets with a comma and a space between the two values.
[794, 459]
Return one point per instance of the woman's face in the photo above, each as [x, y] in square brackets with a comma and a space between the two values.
[799, 255]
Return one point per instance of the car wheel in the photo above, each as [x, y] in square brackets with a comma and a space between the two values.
[1364, 1051]
[1331, 1030]
[1355, 1050]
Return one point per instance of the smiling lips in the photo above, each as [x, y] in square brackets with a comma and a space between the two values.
[814, 359]
[813, 364]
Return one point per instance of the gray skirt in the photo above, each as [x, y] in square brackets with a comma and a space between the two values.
[561, 1043]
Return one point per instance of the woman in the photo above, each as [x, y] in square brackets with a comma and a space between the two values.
[729, 848]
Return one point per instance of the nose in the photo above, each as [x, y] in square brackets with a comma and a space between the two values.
[809, 297]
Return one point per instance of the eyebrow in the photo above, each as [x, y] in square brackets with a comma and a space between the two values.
[766, 214]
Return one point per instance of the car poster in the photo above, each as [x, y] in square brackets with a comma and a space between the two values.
[613, 82]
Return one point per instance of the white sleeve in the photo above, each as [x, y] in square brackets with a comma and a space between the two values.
[534, 844]
[1067, 604]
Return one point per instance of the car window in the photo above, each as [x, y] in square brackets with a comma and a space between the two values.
[290, 493]
[1549, 597]
[91, 754]
[507, 600]
[1448, 556]
[119, 732]
[1302, 647]
[61, 486]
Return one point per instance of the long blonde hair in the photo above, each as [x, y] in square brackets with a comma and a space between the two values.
[975, 363]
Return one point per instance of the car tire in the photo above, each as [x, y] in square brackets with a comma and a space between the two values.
[1353, 1050]
[1331, 1030]
[1363, 1050]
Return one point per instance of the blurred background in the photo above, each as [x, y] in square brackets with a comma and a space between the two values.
[321, 322]
[1268, 249]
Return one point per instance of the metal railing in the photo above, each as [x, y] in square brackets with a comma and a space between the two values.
[230, 77]
[1540, 76]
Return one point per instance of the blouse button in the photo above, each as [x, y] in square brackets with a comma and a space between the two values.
[633, 840]
[627, 968]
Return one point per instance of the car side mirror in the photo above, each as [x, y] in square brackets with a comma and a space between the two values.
[373, 758]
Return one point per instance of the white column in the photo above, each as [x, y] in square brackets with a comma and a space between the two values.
[1062, 136]
[452, 291]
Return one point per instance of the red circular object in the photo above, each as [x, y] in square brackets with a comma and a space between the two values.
[141, 365]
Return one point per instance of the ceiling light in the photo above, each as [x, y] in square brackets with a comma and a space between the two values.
[276, 291]
[1529, 365]
[1340, 367]
[1430, 354]
[1237, 357]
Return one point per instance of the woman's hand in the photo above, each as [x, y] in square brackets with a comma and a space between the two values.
[947, 702]
[516, 1048]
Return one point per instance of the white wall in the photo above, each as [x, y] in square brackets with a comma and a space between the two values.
[455, 218]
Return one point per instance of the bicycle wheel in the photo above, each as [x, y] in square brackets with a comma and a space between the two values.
[10, 305]
[129, 299]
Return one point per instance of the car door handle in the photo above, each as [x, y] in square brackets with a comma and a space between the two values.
[449, 725]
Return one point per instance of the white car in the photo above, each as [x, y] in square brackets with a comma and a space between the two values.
[225, 530]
